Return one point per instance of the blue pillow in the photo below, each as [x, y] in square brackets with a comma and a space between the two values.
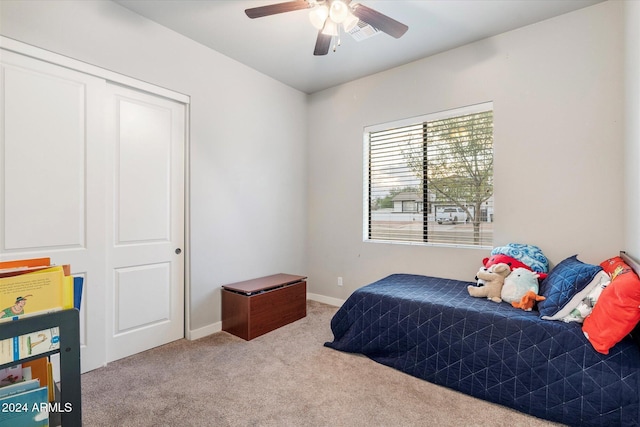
[565, 280]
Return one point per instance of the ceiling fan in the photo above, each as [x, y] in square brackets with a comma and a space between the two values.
[330, 16]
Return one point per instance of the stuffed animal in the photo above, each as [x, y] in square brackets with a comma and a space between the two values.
[480, 282]
[506, 259]
[497, 259]
[513, 263]
[518, 283]
[494, 278]
[528, 300]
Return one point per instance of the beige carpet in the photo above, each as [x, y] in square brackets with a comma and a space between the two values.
[284, 378]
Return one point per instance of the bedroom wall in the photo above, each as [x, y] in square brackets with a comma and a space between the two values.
[248, 154]
[557, 89]
[632, 127]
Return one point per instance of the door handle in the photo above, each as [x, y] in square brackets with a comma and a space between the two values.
[178, 251]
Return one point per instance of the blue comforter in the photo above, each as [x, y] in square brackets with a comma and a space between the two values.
[431, 328]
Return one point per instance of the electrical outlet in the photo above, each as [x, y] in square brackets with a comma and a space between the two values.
[339, 281]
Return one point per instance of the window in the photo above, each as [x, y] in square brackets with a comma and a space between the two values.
[429, 179]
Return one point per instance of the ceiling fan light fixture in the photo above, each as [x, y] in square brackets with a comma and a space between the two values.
[330, 28]
[350, 23]
[318, 16]
[339, 11]
[331, 17]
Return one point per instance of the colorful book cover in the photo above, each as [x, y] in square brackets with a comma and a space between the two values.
[32, 344]
[51, 392]
[6, 351]
[39, 370]
[35, 292]
[78, 283]
[27, 409]
[22, 266]
[24, 263]
[22, 270]
[38, 342]
[19, 387]
[10, 375]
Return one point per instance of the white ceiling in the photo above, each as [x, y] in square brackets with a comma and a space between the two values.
[281, 46]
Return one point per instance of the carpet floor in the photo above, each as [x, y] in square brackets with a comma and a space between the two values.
[284, 378]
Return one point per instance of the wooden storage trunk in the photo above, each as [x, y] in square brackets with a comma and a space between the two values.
[255, 307]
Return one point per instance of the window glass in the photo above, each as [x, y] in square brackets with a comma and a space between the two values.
[429, 180]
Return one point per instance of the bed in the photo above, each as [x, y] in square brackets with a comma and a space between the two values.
[432, 329]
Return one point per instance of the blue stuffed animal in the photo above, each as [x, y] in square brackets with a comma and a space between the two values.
[518, 283]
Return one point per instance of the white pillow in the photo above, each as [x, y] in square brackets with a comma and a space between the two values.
[578, 298]
[583, 309]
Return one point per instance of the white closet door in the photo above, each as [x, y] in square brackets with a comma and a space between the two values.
[52, 182]
[145, 263]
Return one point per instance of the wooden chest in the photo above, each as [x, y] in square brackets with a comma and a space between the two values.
[255, 307]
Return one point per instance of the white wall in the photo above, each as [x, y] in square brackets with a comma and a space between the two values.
[248, 175]
[557, 89]
[632, 127]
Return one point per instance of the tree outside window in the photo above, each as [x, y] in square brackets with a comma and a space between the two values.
[446, 161]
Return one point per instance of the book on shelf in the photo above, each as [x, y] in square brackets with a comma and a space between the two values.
[31, 287]
[11, 375]
[78, 284]
[23, 264]
[35, 343]
[25, 392]
[28, 345]
[18, 271]
[6, 352]
[39, 370]
[19, 387]
[36, 289]
[27, 409]
[51, 383]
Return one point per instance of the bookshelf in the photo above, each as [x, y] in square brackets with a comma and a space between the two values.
[68, 323]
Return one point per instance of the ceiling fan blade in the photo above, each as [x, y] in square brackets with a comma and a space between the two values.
[322, 44]
[273, 9]
[378, 20]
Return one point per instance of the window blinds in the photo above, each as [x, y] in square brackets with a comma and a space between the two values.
[430, 180]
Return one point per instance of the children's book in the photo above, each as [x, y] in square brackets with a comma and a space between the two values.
[19, 387]
[10, 375]
[32, 344]
[77, 291]
[27, 409]
[35, 292]
[6, 351]
[39, 370]
[24, 264]
[38, 342]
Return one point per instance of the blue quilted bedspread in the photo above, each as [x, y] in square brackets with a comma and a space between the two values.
[431, 328]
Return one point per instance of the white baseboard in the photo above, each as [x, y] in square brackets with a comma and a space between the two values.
[327, 300]
[204, 331]
[217, 327]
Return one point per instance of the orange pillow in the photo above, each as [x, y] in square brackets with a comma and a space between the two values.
[618, 309]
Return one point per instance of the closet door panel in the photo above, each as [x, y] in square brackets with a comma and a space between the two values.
[144, 172]
[145, 300]
[52, 181]
[44, 170]
[92, 175]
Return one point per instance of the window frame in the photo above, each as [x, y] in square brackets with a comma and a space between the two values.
[412, 121]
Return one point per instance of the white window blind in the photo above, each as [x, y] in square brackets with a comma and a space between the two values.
[429, 179]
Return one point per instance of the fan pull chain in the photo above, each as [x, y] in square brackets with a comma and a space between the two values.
[335, 45]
